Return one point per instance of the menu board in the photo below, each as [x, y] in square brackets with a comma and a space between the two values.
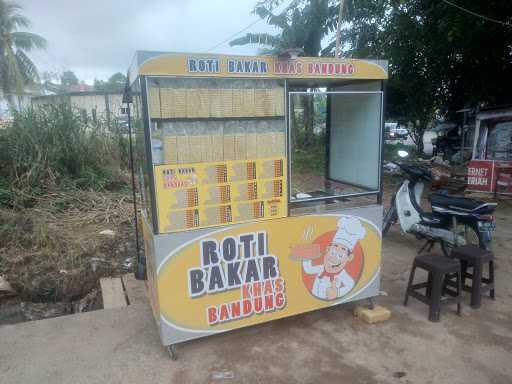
[199, 195]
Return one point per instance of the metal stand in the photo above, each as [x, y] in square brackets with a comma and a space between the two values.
[371, 303]
[140, 268]
[172, 352]
[454, 223]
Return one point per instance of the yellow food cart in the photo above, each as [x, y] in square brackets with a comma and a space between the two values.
[261, 189]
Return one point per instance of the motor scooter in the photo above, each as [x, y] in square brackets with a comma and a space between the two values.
[453, 221]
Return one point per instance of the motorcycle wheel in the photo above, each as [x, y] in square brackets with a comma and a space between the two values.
[469, 233]
[390, 217]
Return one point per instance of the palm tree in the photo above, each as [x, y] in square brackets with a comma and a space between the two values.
[303, 24]
[16, 68]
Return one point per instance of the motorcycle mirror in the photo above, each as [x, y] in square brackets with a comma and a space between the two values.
[403, 153]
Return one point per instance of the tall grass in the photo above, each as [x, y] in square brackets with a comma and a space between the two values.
[53, 147]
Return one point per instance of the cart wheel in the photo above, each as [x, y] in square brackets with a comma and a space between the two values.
[172, 352]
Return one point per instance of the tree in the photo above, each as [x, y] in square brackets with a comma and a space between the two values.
[68, 79]
[16, 68]
[303, 24]
[441, 58]
[114, 84]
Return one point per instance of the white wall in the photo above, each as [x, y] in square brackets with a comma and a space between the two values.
[355, 125]
[87, 102]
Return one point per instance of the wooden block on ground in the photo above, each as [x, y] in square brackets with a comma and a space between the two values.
[372, 316]
[134, 289]
[112, 293]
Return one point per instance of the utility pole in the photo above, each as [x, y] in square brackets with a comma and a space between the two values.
[338, 31]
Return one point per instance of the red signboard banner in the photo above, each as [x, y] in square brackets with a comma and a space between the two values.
[483, 175]
[480, 175]
[503, 176]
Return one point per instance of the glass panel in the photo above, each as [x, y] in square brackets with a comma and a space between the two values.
[209, 120]
[335, 144]
[499, 142]
[308, 145]
[140, 158]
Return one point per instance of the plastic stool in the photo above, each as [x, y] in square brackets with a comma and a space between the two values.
[471, 256]
[438, 268]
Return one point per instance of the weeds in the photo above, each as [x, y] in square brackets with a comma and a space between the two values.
[62, 181]
[52, 146]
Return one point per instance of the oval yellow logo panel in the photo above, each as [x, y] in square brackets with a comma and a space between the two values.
[263, 271]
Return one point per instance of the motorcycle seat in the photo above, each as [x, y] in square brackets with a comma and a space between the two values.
[441, 201]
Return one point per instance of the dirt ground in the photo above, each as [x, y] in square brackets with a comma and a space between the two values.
[332, 346]
[52, 254]
[327, 346]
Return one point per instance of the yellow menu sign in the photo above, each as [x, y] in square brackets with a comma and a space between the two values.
[199, 195]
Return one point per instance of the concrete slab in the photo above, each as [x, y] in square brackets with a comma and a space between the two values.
[328, 346]
[112, 293]
[134, 289]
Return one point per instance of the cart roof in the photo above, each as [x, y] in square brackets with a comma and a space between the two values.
[153, 63]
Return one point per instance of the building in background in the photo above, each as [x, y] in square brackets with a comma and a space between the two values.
[92, 105]
[18, 101]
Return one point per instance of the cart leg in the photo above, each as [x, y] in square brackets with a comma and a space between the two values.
[172, 352]
[371, 303]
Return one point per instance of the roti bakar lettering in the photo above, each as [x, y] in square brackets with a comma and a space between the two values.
[243, 263]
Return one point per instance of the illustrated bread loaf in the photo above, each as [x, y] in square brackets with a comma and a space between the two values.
[187, 219]
[220, 194]
[217, 215]
[244, 171]
[247, 191]
[250, 211]
[186, 198]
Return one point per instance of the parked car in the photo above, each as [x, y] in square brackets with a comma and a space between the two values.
[393, 131]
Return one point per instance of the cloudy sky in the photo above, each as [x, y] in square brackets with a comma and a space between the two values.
[95, 38]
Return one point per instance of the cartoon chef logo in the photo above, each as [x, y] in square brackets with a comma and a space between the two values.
[332, 263]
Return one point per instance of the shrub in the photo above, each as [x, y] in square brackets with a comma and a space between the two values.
[53, 146]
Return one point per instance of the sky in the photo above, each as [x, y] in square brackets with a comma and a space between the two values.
[96, 38]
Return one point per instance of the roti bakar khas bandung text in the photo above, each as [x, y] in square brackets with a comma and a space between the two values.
[243, 263]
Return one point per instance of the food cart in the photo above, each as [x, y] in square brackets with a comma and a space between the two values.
[490, 169]
[261, 185]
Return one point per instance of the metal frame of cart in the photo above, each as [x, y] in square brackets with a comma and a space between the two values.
[260, 184]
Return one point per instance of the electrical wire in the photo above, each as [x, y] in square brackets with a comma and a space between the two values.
[233, 35]
[477, 14]
[244, 29]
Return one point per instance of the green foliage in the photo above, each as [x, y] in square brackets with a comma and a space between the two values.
[114, 84]
[302, 24]
[51, 146]
[68, 78]
[16, 68]
[441, 58]
[311, 160]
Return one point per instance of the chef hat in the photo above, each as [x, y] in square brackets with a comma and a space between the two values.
[350, 231]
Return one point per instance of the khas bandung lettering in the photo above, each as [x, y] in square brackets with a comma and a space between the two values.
[240, 262]
[296, 67]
